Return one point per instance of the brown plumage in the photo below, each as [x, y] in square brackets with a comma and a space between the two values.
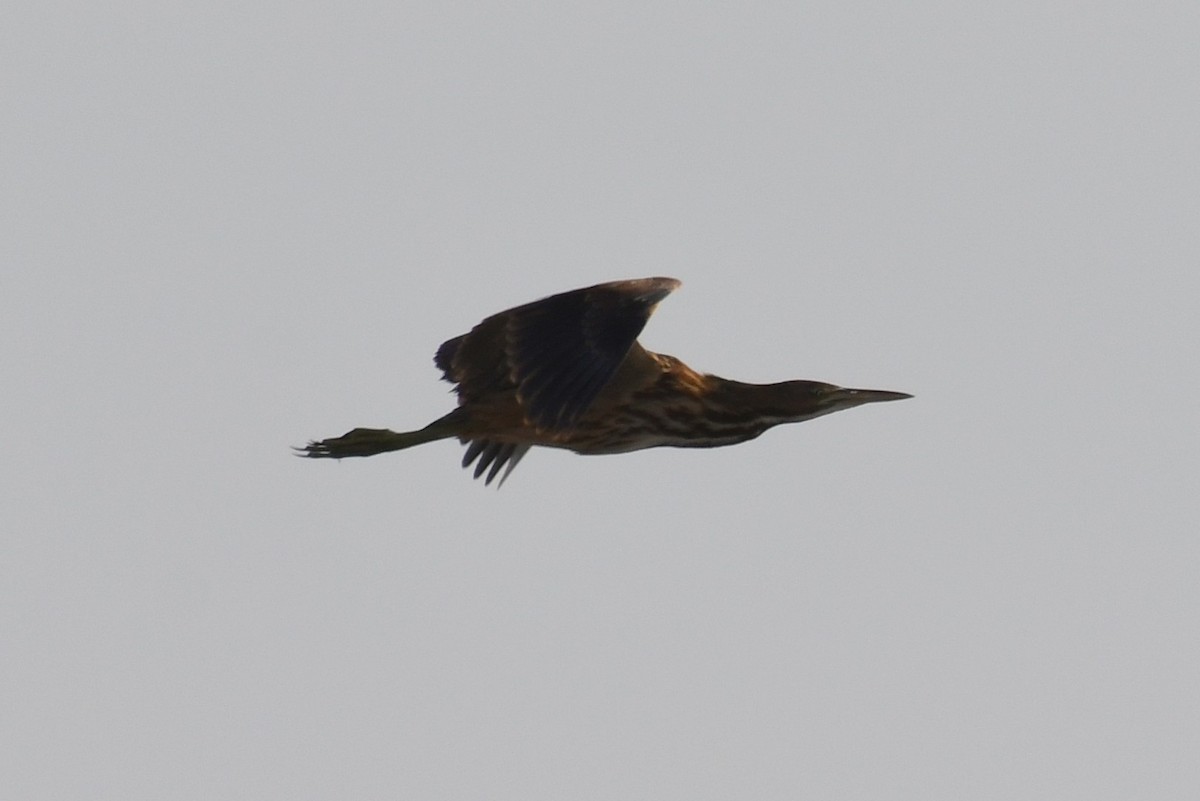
[567, 372]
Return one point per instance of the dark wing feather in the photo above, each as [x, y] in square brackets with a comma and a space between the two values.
[495, 454]
[557, 353]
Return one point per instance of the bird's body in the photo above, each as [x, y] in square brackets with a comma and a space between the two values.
[567, 372]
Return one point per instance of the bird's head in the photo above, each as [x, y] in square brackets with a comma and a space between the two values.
[804, 400]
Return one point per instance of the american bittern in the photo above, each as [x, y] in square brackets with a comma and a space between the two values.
[567, 372]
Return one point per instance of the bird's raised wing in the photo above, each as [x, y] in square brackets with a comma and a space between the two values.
[557, 353]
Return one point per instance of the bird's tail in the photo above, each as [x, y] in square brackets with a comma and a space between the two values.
[370, 441]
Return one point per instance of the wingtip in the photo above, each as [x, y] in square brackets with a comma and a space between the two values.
[664, 284]
[653, 290]
[657, 287]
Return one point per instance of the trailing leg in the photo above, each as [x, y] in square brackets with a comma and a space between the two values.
[370, 441]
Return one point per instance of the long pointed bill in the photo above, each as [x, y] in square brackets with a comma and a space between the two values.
[845, 397]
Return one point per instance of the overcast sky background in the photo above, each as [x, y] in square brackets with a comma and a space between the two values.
[229, 228]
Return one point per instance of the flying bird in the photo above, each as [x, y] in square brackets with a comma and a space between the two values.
[567, 372]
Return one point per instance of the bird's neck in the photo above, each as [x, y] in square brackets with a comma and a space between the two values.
[752, 399]
[768, 404]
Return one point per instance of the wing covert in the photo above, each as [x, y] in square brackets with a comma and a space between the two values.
[558, 353]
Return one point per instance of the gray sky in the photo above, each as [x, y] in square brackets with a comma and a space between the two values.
[228, 229]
